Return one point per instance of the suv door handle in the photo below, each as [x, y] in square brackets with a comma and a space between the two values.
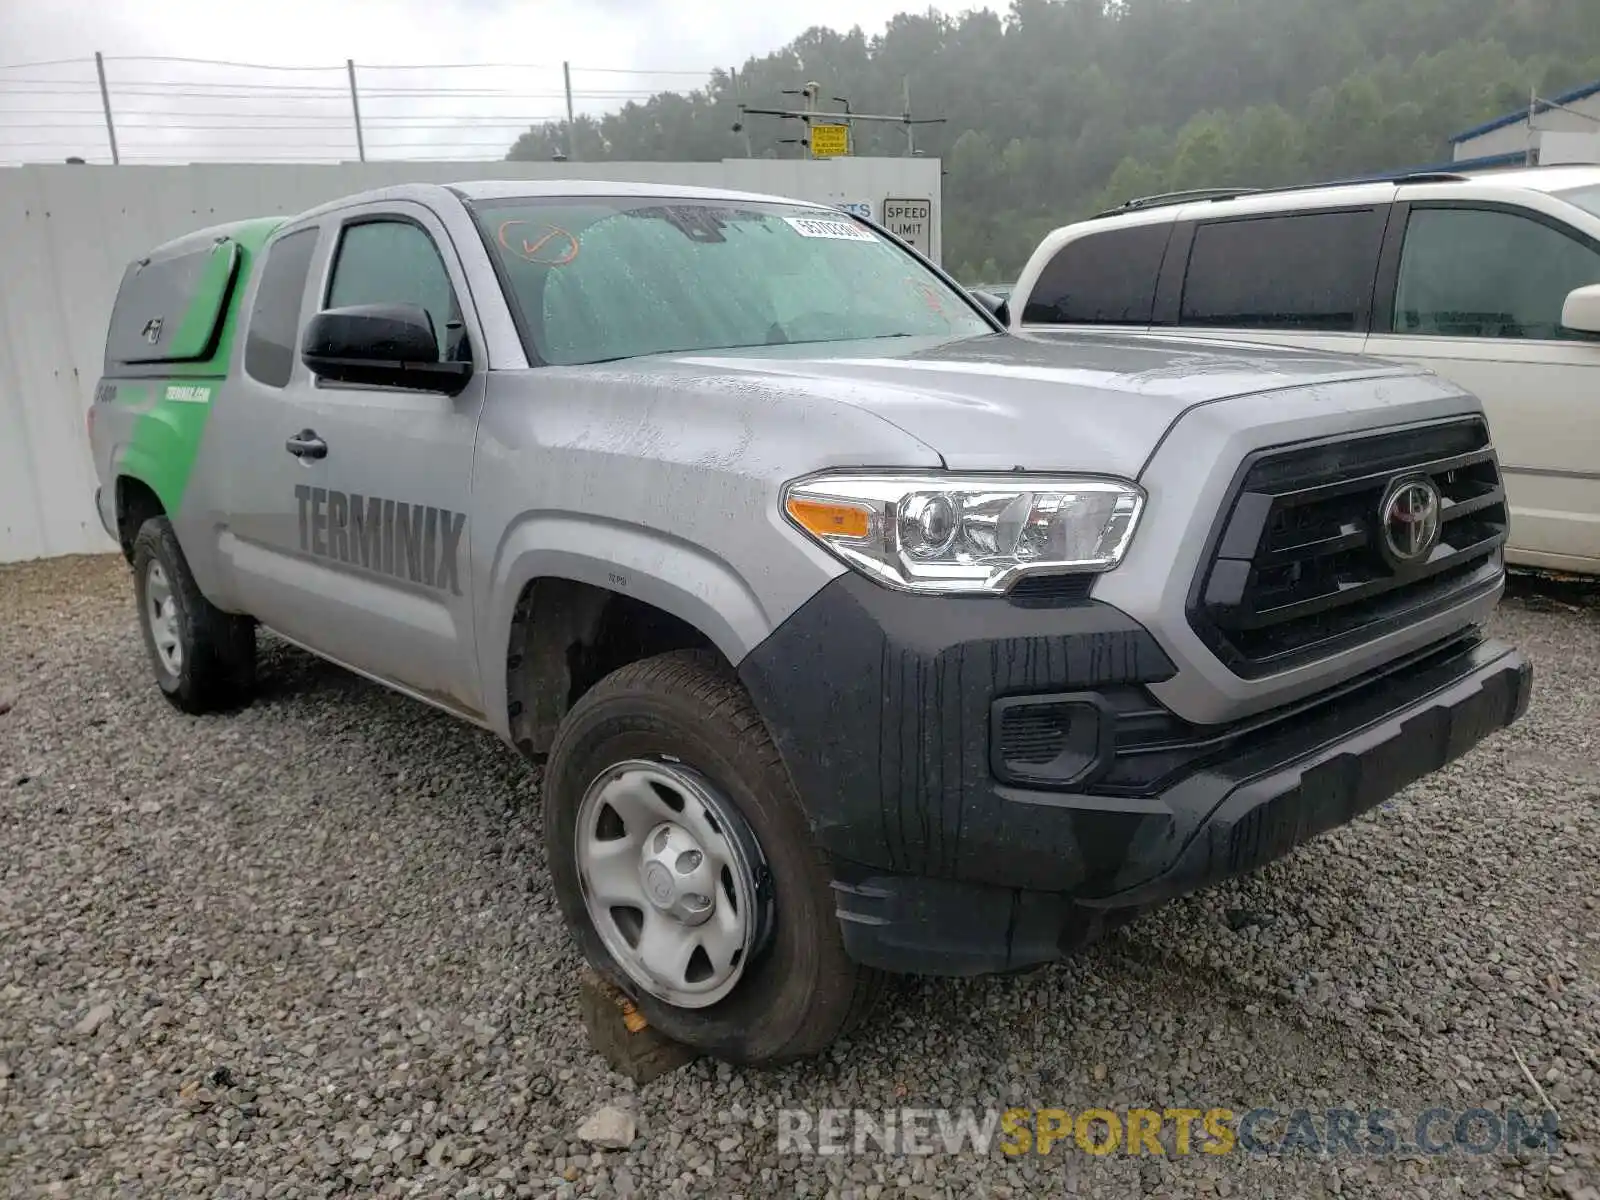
[306, 444]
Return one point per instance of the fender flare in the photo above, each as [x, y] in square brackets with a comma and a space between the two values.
[652, 567]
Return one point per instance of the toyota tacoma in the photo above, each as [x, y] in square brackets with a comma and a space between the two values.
[855, 634]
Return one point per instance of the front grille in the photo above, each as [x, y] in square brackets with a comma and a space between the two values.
[1300, 566]
[1154, 748]
[1046, 591]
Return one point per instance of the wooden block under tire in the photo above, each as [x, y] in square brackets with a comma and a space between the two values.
[620, 1034]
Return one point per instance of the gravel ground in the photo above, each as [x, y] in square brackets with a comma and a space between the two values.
[310, 950]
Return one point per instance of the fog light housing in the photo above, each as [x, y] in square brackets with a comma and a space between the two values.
[1050, 741]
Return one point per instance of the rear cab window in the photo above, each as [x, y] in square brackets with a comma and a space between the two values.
[1311, 271]
[271, 337]
[1104, 278]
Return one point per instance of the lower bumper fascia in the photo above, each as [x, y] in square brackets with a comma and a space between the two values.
[922, 925]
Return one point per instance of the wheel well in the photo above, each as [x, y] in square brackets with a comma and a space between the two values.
[136, 504]
[566, 636]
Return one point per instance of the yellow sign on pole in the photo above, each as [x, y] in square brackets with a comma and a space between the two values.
[830, 141]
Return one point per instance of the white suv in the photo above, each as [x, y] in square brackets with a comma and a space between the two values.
[1491, 280]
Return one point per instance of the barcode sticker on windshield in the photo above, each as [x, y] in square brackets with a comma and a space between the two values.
[819, 227]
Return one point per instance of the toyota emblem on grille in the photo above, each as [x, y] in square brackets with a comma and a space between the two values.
[1409, 519]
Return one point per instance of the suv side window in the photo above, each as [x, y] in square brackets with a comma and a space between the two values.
[270, 341]
[1299, 271]
[1105, 278]
[1487, 273]
[395, 262]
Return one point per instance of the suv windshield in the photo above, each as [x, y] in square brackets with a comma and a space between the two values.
[1586, 198]
[601, 279]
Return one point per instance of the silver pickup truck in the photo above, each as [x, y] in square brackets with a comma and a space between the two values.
[856, 635]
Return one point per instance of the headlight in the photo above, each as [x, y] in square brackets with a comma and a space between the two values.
[935, 533]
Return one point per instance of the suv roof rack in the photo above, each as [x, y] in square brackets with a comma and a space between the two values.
[1192, 195]
[1427, 177]
[1202, 195]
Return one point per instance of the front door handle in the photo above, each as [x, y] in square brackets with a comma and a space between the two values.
[306, 444]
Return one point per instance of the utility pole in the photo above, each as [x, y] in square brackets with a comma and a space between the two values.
[355, 107]
[808, 98]
[572, 141]
[810, 93]
[1533, 111]
[739, 126]
[105, 103]
[911, 133]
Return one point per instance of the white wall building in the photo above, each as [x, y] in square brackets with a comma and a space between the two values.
[1564, 129]
[67, 233]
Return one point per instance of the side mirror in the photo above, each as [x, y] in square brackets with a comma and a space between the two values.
[999, 309]
[382, 345]
[1581, 312]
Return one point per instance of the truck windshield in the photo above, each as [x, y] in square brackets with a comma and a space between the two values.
[601, 279]
[1586, 198]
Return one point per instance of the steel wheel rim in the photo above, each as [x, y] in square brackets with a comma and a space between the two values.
[161, 616]
[669, 871]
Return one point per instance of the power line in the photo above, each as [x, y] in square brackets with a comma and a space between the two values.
[415, 116]
[72, 87]
[182, 158]
[337, 96]
[704, 72]
[328, 138]
[309, 123]
[468, 121]
[458, 66]
[53, 62]
[598, 93]
[643, 71]
[214, 62]
[444, 126]
[488, 66]
[378, 120]
[441, 143]
[342, 101]
[528, 67]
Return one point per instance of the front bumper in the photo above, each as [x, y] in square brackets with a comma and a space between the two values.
[881, 704]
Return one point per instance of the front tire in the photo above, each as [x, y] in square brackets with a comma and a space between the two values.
[664, 773]
[204, 658]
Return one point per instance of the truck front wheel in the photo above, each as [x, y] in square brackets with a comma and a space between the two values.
[683, 864]
[204, 658]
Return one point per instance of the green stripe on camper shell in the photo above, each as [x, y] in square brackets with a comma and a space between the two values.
[172, 410]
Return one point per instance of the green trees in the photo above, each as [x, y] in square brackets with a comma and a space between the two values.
[1063, 107]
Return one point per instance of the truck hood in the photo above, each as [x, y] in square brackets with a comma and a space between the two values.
[1007, 402]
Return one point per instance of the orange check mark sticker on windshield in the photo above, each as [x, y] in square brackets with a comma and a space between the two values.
[555, 247]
